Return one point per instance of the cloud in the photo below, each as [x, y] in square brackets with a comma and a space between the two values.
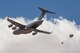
[41, 43]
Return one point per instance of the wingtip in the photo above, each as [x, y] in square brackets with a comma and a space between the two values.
[38, 7]
[54, 13]
[8, 18]
[50, 32]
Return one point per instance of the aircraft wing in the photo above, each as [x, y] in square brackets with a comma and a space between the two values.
[41, 31]
[15, 23]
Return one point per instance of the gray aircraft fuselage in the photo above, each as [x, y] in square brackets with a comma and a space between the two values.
[29, 29]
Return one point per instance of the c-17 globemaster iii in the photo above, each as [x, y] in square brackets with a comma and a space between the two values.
[25, 29]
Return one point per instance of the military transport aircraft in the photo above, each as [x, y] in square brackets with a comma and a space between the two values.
[25, 29]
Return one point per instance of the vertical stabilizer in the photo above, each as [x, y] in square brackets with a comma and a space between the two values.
[43, 12]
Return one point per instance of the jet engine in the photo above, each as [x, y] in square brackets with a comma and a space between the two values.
[10, 25]
[13, 28]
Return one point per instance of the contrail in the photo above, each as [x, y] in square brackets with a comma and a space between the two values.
[41, 43]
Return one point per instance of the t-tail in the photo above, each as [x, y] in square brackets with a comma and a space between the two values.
[43, 12]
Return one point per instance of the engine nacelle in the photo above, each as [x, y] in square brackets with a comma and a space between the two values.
[10, 25]
[13, 28]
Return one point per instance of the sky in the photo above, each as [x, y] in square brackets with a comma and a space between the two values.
[68, 9]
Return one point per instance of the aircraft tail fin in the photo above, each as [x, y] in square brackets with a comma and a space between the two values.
[43, 12]
[46, 11]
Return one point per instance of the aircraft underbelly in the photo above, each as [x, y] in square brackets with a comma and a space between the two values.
[27, 31]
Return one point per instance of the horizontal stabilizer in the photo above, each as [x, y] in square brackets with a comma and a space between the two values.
[46, 11]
